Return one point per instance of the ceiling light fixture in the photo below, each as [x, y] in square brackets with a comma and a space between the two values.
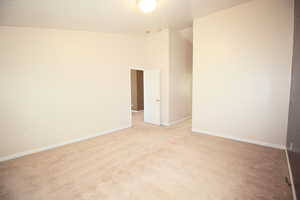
[147, 6]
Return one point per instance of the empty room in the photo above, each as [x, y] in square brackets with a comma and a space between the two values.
[150, 99]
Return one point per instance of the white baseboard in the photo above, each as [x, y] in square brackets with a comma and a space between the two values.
[276, 146]
[291, 175]
[177, 121]
[17, 155]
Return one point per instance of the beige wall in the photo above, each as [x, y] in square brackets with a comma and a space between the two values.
[171, 52]
[57, 86]
[181, 64]
[242, 71]
[157, 56]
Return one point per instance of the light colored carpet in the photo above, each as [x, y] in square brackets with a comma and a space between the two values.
[148, 162]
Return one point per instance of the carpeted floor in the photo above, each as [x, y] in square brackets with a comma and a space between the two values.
[148, 162]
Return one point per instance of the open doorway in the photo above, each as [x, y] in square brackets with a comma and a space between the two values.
[137, 95]
[145, 96]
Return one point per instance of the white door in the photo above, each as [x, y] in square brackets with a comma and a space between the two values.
[152, 96]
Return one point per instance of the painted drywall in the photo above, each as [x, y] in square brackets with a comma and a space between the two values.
[58, 86]
[117, 16]
[242, 71]
[171, 52]
[187, 34]
[157, 56]
[181, 64]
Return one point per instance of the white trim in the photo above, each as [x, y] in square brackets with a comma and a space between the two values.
[136, 111]
[276, 146]
[177, 121]
[17, 155]
[291, 175]
[164, 124]
[137, 68]
[130, 100]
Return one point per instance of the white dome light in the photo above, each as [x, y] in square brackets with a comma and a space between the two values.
[147, 6]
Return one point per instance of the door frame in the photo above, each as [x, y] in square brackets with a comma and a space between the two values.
[132, 68]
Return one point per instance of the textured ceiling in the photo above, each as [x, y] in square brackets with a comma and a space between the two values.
[116, 16]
